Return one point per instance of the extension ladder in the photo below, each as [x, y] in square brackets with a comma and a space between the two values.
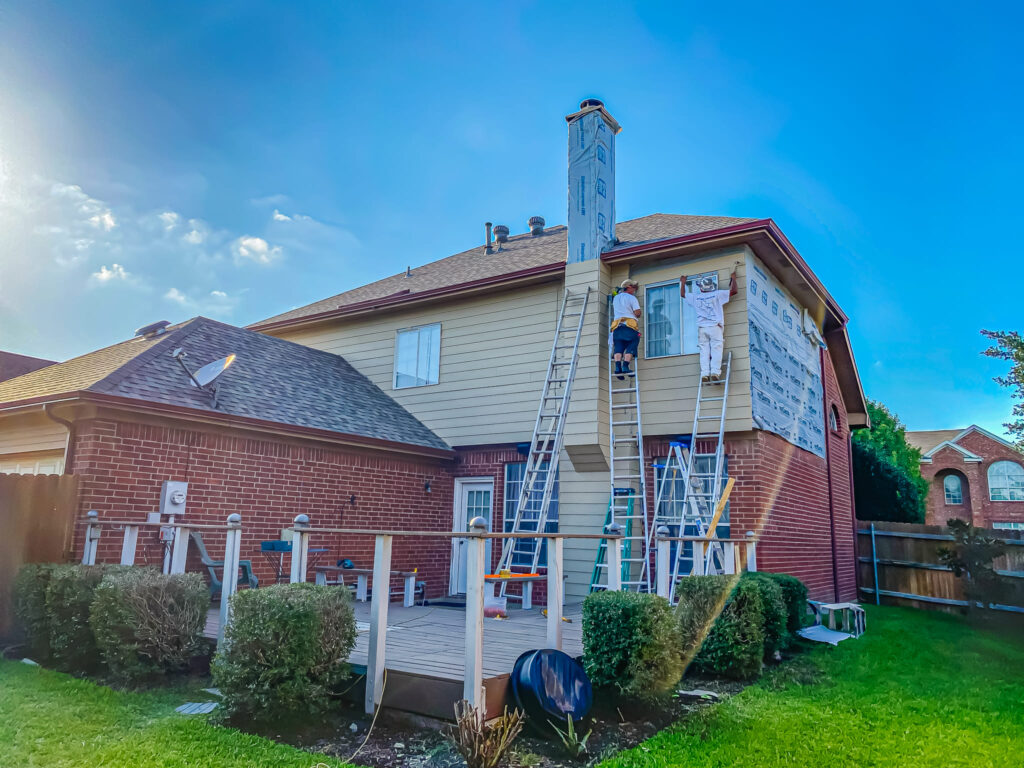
[702, 486]
[541, 472]
[628, 483]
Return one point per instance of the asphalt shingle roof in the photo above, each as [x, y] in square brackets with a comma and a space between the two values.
[521, 252]
[271, 379]
[925, 440]
[12, 365]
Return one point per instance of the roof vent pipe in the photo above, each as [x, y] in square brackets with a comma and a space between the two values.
[487, 241]
[501, 233]
[536, 225]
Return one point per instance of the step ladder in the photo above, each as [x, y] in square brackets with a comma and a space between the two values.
[539, 476]
[598, 579]
[628, 482]
[702, 488]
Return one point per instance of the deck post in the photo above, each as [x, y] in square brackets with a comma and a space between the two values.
[131, 538]
[300, 549]
[179, 549]
[751, 547]
[378, 622]
[614, 532]
[229, 582]
[698, 559]
[473, 682]
[729, 566]
[663, 551]
[556, 588]
[92, 536]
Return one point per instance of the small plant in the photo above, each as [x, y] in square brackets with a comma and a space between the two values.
[482, 744]
[285, 651]
[575, 745]
[29, 598]
[631, 643]
[148, 623]
[970, 558]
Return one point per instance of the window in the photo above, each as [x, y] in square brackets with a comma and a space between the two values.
[833, 418]
[1006, 481]
[670, 504]
[1008, 526]
[513, 487]
[953, 489]
[417, 356]
[670, 325]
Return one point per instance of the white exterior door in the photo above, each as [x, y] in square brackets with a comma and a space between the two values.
[474, 497]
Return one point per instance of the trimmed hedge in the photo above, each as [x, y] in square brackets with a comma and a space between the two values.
[148, 623]
[734, 645]
[631, 643]
[285, 650]
[29, 599]
[794, 595]
[773, 609]
[69, 597]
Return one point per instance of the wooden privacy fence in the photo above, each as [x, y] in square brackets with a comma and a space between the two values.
[900, 562]
[37, 514]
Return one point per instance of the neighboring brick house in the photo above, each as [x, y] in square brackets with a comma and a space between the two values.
[972, 475]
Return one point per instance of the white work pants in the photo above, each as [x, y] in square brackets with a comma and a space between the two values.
[710, 341]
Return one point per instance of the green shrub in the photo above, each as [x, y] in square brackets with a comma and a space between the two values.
[794, 595]
[147, 623]
[883, 490]
[285, 650]
[68, 599]
[631, 643]
[29, 598]
[773, 609]
[734, 646]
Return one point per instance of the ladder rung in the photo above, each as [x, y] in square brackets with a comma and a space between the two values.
[624, 424]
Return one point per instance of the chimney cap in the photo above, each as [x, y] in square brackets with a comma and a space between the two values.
[594, 105]
[587, 103]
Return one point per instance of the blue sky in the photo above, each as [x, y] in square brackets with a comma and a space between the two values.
[238, 159]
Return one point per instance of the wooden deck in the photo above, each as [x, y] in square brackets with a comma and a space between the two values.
[426, 649]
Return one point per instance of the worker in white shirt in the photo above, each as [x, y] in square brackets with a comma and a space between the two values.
[707, 305]
[625, 327]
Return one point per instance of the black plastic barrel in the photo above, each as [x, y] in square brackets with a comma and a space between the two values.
[550, 686]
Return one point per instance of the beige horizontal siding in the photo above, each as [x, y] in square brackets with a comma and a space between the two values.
[29, 433]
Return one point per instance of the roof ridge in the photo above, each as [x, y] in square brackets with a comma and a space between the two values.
[119, 374]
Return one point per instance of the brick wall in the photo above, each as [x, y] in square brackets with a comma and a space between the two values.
[121, 466]
[977, 506]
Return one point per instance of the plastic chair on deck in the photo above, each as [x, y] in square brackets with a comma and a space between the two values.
[246, 578]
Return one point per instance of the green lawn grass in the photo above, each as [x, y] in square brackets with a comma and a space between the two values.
[919, 689]
[54, 720]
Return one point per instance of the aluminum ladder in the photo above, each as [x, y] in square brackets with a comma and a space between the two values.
[628, 483]
[702, 490]
[539, 476]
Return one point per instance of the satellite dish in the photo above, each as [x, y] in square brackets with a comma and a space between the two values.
[211, 371]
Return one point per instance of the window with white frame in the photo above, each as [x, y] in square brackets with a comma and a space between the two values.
[953, 489]
[670, 504]
[670, 325]
[513, 487]
[417, 356]
[1008, 526]
[1006, 481]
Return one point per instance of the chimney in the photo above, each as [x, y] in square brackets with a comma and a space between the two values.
[501, 233]
[591, 181]
[487, 242]
[536, 225]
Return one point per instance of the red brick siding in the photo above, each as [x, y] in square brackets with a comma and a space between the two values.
[977, 506]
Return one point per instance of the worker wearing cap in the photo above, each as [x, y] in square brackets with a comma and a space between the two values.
[625, 327]
[707, 305]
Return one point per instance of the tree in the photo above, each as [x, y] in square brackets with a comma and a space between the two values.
[888, 438]
[1009, 345]
[883, 490]
[970, 558]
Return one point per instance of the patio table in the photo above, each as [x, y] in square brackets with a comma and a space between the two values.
[363, 577]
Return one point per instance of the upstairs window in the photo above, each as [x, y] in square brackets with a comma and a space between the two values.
[670, 325]
[833, 418]
[953, 489]
[417, 356]
[1006, 481]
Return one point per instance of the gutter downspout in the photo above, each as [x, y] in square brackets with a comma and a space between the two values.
[828, 473]
[853, 507]
[69, 444]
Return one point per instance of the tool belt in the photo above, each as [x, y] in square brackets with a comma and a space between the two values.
[629, 322]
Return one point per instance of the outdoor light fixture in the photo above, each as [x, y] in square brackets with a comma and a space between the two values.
[352, 499]
[426, 486]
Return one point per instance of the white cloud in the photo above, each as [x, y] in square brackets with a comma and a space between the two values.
[170, 220]
[218, 294]
[195, 237]
[114, 272]
[173, 294]
[250, 248]
[278, 216]
[104, 220]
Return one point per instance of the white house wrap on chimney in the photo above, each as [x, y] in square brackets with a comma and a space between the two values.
[591, 181]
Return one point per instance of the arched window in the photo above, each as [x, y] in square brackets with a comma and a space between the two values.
[833, 418]
[1006, 481]
[953, 490]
